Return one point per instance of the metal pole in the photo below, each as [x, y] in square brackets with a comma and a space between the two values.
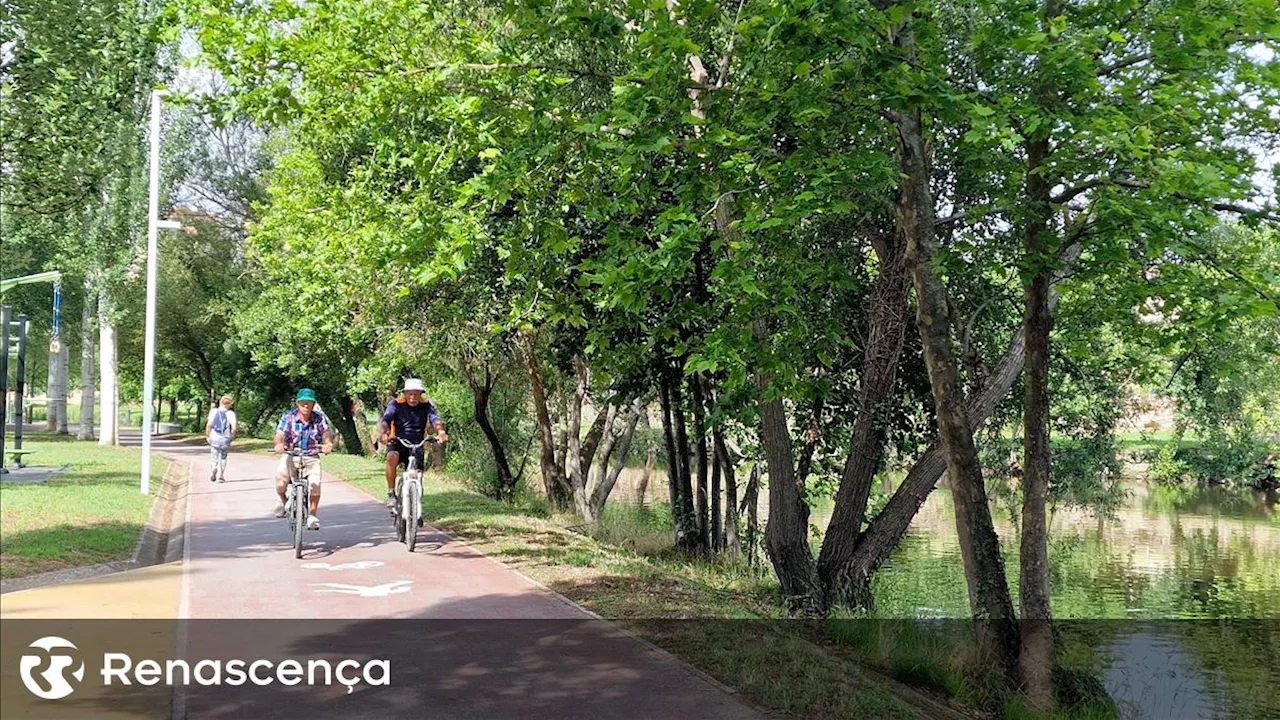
[19, 416]
[153, 218]
[4, 380]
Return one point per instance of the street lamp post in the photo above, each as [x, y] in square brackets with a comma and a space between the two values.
[153, 228]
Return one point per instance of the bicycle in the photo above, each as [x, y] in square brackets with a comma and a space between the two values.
[406, 516]
[297, 500]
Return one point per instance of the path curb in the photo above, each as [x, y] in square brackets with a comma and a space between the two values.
[160, 533]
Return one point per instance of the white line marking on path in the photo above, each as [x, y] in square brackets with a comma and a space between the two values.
[391, 588]
[361, 565]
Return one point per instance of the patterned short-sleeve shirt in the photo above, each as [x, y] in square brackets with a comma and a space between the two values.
[306, 436]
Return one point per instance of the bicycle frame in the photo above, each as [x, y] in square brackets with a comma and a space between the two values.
[297, 500]
[407, 514]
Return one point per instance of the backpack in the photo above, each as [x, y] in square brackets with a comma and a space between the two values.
[220, 423]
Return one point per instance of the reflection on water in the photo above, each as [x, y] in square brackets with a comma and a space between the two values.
[1167, 553]
[1206, 559]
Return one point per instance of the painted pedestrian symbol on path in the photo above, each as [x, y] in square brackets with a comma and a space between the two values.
[361, 565]
[391, 588]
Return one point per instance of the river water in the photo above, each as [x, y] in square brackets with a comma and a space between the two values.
[1172, 598]
[1166, 553]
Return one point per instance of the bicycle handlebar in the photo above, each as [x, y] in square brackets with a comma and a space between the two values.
[295, 451]
[414, 446]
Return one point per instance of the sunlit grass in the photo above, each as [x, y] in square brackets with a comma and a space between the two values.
[91, 514]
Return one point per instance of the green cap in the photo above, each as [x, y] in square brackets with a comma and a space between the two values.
[306, 395]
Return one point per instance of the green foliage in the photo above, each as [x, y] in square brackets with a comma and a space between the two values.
[1165, 467]
[453, 179]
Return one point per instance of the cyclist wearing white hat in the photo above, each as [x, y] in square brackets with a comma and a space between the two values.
[407, 420]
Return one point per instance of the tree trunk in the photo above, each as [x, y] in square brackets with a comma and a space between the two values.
[51, 385]
[349, 421]
[551, 480]
[481, 392]
[979, 545]
[787, 534]
[560, 421]
[700, 451]
[692, 540]
[886, 334]
[673, 457]
[608, 447]
[650, 461]
[730, 496]
[368, 443]
[610, 444]
[717, 532]
[64, 368]
[573, 450]
[87, 315]
[752, 501]
[609, 478]
[1037, 658]
[591, 443]
[108, 370]
[811, 437]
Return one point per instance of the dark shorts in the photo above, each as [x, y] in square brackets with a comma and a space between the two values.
[396, 447]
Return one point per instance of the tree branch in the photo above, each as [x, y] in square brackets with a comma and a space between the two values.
[1263, 213]
[489, 67]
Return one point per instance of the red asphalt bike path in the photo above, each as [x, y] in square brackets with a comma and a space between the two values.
[466, 636]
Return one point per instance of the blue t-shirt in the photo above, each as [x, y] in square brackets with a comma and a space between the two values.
[411, 422]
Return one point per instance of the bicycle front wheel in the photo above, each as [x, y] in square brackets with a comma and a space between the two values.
[414, 493]
[300, 502]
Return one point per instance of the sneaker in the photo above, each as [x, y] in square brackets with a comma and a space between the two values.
[279, 508]
[313, 522]
[213, 476]
[222, 477]
[391, 500]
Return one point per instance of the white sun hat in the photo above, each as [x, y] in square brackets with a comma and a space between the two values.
[413, 384]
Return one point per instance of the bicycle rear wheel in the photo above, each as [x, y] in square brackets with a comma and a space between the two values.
[300, 503]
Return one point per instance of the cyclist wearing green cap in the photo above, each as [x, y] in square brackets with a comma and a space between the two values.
[307, 431]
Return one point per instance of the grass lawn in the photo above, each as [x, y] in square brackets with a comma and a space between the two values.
[725, 620]
[91, 514]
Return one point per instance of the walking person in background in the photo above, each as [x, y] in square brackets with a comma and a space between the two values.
[220, 428]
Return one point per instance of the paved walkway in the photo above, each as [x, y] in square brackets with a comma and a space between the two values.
[465, 636]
